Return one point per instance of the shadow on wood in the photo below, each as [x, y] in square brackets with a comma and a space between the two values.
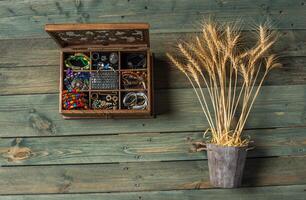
[161, 99]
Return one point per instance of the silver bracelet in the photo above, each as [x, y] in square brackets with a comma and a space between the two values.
[133, 103]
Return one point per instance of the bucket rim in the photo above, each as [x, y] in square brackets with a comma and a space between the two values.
[246, 148]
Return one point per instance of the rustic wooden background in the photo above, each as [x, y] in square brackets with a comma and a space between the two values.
[45, 157]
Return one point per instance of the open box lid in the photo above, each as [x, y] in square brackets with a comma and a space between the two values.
[100, 35]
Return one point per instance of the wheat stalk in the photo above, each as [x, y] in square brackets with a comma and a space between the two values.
[215, 58]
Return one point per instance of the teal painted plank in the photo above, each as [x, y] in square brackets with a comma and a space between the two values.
[145, 176]
[296, 192]
[26, 19]
[21, 61]
[44, 52]
[27, 80]
[24, 80]
[139, 147]
[177, 110]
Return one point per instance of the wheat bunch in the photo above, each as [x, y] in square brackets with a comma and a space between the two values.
[215, 60]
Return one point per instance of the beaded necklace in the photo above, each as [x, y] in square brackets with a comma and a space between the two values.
[78, 61]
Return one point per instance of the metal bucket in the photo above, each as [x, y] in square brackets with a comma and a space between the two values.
[226, 165]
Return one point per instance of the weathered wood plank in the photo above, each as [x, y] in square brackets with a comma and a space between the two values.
[177, 110]
[145, 176]
[25, 19]
[296, 192]
[292, 72]
[40, 56]
[36, 115]
[21, 80]
[42, 52]
[138, 147]
[44, 79]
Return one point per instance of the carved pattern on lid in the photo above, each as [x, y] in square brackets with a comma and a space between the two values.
[99, 34]
[101, 37]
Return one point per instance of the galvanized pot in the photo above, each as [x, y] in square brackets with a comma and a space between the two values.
[226, 165]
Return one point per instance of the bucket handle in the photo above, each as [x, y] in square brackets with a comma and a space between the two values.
[200, 146]
[250, 148]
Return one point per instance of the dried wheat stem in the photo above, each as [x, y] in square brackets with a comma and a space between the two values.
[215, 52]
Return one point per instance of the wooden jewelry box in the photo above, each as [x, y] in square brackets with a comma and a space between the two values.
[105, 70]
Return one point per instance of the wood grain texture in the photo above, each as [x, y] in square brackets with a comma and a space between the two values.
[22, 60]
[44, 51]
[20, 80]
[296, 192]
[26, 19]
[45, 157]
[139, 147]
[145, 176]
[177, 110]
[226, 165]
[44, 79]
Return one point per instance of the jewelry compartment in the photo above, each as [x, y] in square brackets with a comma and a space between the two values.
[104, 80]
[76, 80]
[134, 80]
[133, 60]
[75, 100]
[105, 84]
[134, 100]
[104, 100]
[105, 60]
[77, 61]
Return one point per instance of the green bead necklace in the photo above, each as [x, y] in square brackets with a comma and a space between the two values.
[77, 61]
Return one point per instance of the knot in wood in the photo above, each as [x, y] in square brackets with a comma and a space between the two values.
[16, 153]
